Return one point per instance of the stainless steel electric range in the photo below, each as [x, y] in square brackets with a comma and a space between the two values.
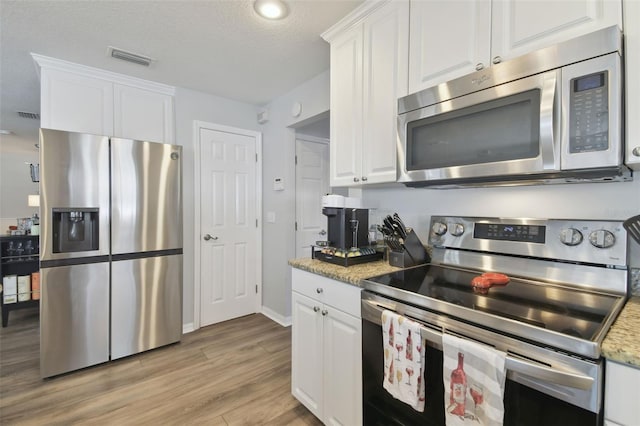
[567, 282]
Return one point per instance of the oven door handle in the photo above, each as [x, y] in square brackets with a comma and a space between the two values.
[513, 363]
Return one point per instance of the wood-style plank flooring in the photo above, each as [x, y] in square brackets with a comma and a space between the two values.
[234, 373]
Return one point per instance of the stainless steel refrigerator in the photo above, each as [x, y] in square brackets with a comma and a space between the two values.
[111, 248]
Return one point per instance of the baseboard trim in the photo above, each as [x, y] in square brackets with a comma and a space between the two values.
[187, 328]
[273, 315]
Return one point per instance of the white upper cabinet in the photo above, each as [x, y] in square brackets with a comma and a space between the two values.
[369, 52]
[78, 98]
[76, 103]
[449, 39]
[143, 114]
[632, 85]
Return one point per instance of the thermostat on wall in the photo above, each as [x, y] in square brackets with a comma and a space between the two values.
[278, 184]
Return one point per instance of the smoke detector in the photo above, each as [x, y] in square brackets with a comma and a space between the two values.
[124, 55]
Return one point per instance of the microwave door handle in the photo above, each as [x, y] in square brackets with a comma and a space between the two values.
[550, 126]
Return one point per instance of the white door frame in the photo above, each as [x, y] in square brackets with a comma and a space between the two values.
[197, 126]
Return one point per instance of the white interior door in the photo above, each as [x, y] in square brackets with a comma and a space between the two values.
[312, 182]
[228, 226]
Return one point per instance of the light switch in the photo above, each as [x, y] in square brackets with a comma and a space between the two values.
[271, 217]
[278, 184]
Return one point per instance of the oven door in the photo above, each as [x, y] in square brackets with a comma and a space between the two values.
[543, 388]
[506, 130]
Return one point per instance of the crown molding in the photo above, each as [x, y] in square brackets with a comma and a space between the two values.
[354, 18]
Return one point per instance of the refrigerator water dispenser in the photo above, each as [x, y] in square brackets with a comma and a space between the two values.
[75, 229]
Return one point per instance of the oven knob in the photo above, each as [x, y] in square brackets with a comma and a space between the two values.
[457, 229]
[571, 237]
[439, 228]
[602, 238]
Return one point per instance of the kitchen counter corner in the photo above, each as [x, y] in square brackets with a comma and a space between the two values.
[622, 343]
[353, 274]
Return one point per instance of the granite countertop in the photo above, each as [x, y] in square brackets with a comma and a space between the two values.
[622, 343]
[352, 274]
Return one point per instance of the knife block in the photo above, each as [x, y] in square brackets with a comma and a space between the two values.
[413, 254]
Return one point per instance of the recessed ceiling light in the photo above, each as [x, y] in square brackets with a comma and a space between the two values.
[271, 9]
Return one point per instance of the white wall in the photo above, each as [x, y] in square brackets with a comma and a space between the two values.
[189, 106]
[617, 201]
[16, 185]
[279, 156]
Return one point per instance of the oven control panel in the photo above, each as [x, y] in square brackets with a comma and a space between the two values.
[591, 241]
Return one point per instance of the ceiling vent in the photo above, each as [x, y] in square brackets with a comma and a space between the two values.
[117, 53]
[31, 115]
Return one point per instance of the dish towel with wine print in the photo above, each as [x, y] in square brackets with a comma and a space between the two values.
[473, 376]
[403, 359]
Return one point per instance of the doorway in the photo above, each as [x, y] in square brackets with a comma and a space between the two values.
[228, 281]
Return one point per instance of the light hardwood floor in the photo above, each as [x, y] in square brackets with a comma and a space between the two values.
[234, 373]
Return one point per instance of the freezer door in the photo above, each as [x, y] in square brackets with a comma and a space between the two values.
[74, 317]
[146, 196]
[146, 304]
[74, 177]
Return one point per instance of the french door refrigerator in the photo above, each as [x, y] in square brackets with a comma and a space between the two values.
[111, 248]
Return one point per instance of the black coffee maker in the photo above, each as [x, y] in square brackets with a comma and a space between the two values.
[348, 227]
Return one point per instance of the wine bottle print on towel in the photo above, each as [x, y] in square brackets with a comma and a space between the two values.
[474, 377]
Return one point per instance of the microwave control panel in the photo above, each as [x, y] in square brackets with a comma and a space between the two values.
[589, 113]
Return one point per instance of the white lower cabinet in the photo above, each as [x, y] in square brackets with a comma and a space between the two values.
[622, 395]
[326, 348]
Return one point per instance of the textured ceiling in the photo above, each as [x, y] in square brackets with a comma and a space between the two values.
[219, 47]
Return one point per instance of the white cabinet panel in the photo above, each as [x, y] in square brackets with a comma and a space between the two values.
[448, 39]
[306, 357]
[521, 26]
[76, 103]
[143, 114]
[622, 393]
[326, 348]
[346, 108]
[342, 368]
[386, 44]
[632, 98]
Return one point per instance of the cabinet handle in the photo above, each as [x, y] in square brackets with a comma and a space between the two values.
[479, 66]
[316, 309]
[355, 179]
[497, 59]
[364, 178]
[324, 312]
[319, 290]
[636, 151]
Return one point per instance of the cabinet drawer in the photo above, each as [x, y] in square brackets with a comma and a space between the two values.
[339, 295]
[622, 387]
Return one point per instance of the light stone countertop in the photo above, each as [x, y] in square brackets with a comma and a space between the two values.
[351, 275]
[622, 343]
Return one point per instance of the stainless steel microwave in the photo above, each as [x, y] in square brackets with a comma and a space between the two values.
[553, 115]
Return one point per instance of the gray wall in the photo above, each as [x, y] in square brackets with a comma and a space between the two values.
[189, 106]
[279, 156]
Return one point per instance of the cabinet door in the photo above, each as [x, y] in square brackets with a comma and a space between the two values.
[622, 387]
[386, 44]
[342, 368]
[76, 103]
[521, 26]
[632, 62]
[448, 39]
[345, 149]
[306, 352]
[142, 114]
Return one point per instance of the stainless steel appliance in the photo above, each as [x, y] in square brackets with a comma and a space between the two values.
[111, 248]
[568, 282]
[554, 115]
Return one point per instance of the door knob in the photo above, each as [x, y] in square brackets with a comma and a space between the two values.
[322, 232]
[208, 237]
